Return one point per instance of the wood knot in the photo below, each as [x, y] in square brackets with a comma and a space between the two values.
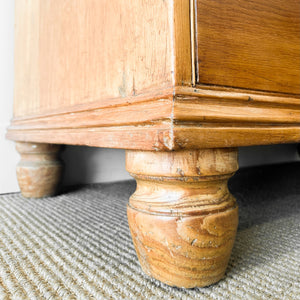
[180, 172]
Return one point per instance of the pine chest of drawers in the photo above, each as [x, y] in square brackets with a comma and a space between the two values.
[180, 85]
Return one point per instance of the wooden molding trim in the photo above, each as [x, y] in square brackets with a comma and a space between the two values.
[144, 137]
[148, 95]
[202, 109]
[243, 95]
[192, 118]
[126, 114]
[162, 137]
[156, 107]
[193, 137]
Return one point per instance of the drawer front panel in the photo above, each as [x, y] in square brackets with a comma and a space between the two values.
[249, 44]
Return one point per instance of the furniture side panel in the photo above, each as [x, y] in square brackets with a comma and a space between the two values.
[26, 61]
[74, 52]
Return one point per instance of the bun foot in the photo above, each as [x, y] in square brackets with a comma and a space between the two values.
[39, 171]
[182, 218]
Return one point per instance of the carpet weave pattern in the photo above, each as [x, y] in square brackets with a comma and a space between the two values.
[77, 245]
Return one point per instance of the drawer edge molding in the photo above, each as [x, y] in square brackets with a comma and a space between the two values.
[190, 118]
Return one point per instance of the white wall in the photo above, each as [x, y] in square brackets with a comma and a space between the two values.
[91, 165]
[8, 155]
[85, 164]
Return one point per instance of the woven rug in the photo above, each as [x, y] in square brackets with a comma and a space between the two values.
[77, 245]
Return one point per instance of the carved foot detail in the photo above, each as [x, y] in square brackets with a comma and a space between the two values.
[39, 170]
[182, 218]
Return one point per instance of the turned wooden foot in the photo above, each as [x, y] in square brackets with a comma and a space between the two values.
[39, 170]
[182, 218]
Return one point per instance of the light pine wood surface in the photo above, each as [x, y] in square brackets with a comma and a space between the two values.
[179, 84]
[253, 44]
[182, 218]
[134, 76]
[192, 118]
[70, 53]
[39, 170]
[74, 52]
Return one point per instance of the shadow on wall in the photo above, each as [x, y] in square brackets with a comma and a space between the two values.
[91, 165]
[265, 155]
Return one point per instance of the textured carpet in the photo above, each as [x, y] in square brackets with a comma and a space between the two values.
[77, 245]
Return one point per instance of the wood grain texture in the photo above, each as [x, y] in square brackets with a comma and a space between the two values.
[211, 111]
[137, 113]
[154, 137]
[192, 118]
[249, 44]
[39, 171]
[182, 218]
[226, 135]
[236, 94]
[73, 52]
[69, 53]
[106, 74]
[26, 57]
[161, 137]
[182, 43]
